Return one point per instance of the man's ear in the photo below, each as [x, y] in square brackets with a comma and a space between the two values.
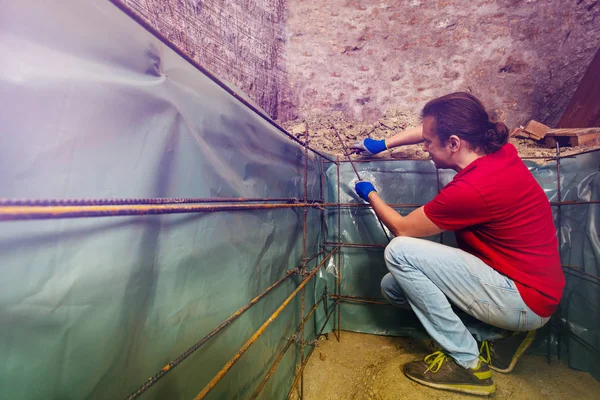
[454, 142]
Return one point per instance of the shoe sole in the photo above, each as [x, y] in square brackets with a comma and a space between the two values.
[522, 349]
[470, 389]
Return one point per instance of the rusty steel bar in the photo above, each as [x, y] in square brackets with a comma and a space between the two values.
[170, 366]
[285, 349]
[380, 159]
[121, 5]
[309, 354]
[303, 271]
[357, 299]
[368, 205]
[261, 330]
[11, 213]
[573, 203]
[579, 270]
[383, 159]
[559, 198]
[346, 152]
[357, 245]
[139, 201]
[339, 254]
[358, 176]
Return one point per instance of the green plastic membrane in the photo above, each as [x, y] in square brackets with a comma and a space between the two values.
[95, 106]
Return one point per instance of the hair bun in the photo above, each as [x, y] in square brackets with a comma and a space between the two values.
[495, 137]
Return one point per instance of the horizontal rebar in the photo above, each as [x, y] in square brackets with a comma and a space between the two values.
[261, 330]
[573, 203]
[170, 366]
[309, 354]
[120, 4]
[357, 299]
[11, 213]
[383, 159]
[368, 205]
[356, 245]
[285, 349]
[136, 201]
[48, 211]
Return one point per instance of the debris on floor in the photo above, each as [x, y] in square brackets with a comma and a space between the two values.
[529, 140]
[573, 137]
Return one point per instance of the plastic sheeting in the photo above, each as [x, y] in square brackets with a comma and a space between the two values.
[415, 182]
[94, 106]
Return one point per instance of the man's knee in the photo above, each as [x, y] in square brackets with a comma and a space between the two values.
[397, 250]
[388, 284]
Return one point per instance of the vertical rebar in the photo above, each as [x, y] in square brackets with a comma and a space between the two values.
[559, 234]
[305, 212]
[358, 176]
[339, 265]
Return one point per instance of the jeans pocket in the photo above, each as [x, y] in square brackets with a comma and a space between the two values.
[514, 319]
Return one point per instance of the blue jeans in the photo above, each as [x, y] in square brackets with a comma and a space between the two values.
[430, 277]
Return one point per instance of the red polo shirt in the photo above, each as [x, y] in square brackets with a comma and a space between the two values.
[501, 215]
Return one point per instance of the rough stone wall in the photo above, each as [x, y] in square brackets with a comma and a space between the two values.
[238, 41]
[364, 57]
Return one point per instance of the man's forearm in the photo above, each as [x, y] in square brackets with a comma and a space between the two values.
[408, 136]
[390, 217]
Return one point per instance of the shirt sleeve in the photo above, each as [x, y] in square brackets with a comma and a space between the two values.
[457, 206]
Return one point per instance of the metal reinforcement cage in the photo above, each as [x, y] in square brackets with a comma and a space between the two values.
[161, 237]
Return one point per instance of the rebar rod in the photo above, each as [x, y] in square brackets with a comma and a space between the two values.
[139, 201]
[357, 245]
[170, 366]
[357, 299]
[358, 176]
[121, 5]
[285, 349]
[559, 222]
[346, 152]
[304, 211]
[384, 159]
[368, 205]
[309, 354]
[573, 203]
[339, 254]
[261, 330]
[11, 213]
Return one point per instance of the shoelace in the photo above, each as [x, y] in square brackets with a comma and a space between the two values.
[485, 346]
[435, 361]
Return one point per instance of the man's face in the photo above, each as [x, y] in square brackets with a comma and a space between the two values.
[439, 153]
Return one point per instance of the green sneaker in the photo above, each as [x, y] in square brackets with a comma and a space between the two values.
[502, 354]
[438, 370]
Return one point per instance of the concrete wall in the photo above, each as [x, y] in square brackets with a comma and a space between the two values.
[364, 57]
[239, 41]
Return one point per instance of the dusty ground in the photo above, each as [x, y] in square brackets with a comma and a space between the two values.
[368, 367]
[322, 135]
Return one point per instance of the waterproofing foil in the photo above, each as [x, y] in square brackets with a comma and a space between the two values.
[94, 106]
[416, 183]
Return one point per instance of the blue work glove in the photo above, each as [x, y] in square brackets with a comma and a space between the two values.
[363, 189]
[369, 146]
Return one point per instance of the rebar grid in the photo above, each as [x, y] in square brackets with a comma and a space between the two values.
[76, 208]
[261, 330]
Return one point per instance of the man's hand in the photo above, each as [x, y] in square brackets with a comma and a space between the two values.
[363, 189]
[368, 146]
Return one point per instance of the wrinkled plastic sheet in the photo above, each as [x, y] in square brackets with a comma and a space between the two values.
[415, 182]
[94, 106]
